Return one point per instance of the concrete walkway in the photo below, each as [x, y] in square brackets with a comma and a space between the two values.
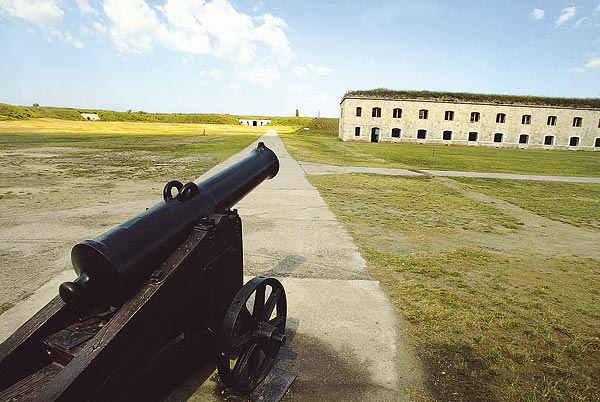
[346, 343]
[320, 169]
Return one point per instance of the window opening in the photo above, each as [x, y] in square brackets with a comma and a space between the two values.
[421, 134]
[500, 118]
[526, 119]
[449, 115]
[475, 117]
[423, 113]
[498, 137]
[395, 132]
[376, 112]
[472, 136]
[357, 131]
[523, 139]
[397, 113]
[549, 140]
[358, 111]
[447, 135]
[551, 121]
[577, 121]
[573, 141]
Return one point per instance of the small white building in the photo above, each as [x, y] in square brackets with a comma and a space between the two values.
[254, 122]
[470, 119]
[90, 116]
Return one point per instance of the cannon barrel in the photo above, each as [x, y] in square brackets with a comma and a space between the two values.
[116, 263]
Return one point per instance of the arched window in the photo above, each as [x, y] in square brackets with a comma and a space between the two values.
[573, 141]
[500, 118]
[376, 112]
[523, 139]
[498, 137]
[447, 135]
[551, 121]
[549, 140]
[396, 133]
[577, 121]
[472, 136]
[397, 113]
[423, 113]
[526, 119]
[475, 117]
[358, 111]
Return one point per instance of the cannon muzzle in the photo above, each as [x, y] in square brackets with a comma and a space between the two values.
[112, 266]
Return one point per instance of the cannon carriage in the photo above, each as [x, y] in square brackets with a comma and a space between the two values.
[150, 293]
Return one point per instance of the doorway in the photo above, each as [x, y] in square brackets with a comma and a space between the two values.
[375, 134]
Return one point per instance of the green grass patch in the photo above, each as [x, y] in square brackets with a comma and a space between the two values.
[323, 146]
[574, 203]
[490, 327]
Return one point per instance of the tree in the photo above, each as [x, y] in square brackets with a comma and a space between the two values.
[297, 113]
[36, 104]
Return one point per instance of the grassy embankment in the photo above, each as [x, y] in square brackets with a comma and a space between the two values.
[12, 112]
[491, 324]
[321, 145]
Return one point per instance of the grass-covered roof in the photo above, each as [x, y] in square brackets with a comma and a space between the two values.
[384, 93]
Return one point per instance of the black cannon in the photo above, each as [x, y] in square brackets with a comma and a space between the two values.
[164, 286]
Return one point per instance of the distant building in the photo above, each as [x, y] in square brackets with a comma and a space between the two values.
[470, 119]
[90, 116]
[254, 122]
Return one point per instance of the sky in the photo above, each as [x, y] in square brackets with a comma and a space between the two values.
[261, 57]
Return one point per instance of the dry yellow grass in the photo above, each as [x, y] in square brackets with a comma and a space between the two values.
[55, 126]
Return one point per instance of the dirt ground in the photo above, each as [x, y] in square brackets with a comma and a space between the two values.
[45, 211]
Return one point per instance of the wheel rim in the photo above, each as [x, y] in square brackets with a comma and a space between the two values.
[252, 333]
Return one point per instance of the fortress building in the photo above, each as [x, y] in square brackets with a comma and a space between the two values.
[383, 115]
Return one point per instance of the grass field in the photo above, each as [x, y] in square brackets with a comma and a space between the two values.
[323, 146]
[491, 325]
[574, 203]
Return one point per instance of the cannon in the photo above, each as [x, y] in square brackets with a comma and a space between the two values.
[162, 289]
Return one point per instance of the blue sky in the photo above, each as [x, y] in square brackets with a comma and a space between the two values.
[272, 57]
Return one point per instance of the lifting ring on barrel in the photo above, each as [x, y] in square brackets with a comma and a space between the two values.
[188, 191]
[167, 195]
[252, 333]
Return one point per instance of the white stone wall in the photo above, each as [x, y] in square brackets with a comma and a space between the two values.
[254, 122]
[435, 124]
[90, 116]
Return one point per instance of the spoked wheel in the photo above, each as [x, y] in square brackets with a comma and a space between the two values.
[252, 333]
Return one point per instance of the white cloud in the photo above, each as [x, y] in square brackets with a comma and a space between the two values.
[320, 70]
[301, 71]
[597, 8]
[65, 37]
[538, 14]
[272, 33]
[580, 22]
[37, 12]
[85, 7]
[566, 15]
[213, 73]
[264, 76]
[594, 63]
[45, 14]
[578, 70]
[197, 27]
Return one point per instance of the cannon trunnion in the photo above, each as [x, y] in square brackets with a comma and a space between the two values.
[188, 305]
